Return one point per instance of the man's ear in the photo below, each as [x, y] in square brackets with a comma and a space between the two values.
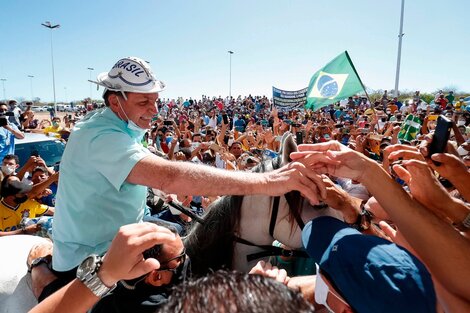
[113, 100]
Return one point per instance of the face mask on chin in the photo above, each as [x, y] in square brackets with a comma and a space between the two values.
[321, 292]
[130, 124]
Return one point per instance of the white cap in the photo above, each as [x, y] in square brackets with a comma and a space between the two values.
[130, 74]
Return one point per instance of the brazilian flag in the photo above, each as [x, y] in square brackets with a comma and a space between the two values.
[410, 128]
[335, 81]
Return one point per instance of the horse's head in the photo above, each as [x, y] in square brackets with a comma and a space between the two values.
[212, 245]
[294, 211]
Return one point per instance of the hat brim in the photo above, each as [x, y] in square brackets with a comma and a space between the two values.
[103, 80]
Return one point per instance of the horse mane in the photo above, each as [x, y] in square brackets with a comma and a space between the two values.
[210, 245]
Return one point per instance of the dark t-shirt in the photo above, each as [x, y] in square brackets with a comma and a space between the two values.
[144, 298]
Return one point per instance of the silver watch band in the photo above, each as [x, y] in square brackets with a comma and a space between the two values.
[97, 287]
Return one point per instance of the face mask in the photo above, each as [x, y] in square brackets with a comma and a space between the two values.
[130, 124]
[55, 124]
[321, 292]
[8, 169]
[21, 199]
[168, 140]
[461, 123]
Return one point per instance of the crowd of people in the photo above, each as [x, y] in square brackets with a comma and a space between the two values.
[126, 163]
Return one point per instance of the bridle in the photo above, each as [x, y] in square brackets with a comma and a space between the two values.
[269, 250]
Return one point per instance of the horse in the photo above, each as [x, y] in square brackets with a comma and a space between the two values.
[215, 243]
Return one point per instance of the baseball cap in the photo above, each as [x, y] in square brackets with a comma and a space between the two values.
[130, 74]
[371, 273]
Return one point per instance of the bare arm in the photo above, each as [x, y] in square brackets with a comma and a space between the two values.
[40, 187]
[18, 134]
[425, 232]
[122, 261]
[193, 179]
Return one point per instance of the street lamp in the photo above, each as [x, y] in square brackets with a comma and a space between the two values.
[51, 27]
[31, 85]
[230, 75]
[90, 69]
[3, 83]
[400, 38]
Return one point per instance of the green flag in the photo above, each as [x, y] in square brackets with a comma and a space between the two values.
[410, 128]
[335, 81]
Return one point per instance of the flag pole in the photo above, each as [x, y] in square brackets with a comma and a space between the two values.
[358, 77]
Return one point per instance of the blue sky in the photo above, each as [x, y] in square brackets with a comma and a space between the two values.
[276, 43]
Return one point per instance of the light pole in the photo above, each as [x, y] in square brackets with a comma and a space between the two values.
[230, 75]
[31, 85]
[90, 69]
[3, 83]
[51, 27]
[400, 37]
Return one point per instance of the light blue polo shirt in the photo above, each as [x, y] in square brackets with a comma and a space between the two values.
[93, 198]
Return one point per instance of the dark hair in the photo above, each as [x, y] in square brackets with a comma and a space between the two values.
[7, 189]
[187, 153]
[235, 292]
[40, 169]
[109, 93]
[12, 157]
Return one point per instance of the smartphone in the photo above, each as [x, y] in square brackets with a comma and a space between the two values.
[441, 136]
[167, 123]
[225, 118]
[299, 138]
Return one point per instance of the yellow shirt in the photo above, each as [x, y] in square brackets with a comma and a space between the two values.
[53, 131]
[10, 217]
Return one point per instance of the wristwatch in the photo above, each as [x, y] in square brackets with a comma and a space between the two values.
[38, 261]
[87, 273]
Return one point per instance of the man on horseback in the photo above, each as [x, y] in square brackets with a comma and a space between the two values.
[105, 172]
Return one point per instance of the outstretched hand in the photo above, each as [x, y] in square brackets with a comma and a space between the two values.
[297, 176]
[339, 160]
[124, 259]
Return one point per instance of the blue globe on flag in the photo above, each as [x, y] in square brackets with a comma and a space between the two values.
[327, 86]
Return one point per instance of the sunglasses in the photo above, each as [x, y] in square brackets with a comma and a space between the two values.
[180, 258]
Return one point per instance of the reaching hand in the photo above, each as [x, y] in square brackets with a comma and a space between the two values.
[424, 186]
[296, 176]
[32, 229]
[342, 161]
[451, 166]
[266, 269]
[124, 259]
